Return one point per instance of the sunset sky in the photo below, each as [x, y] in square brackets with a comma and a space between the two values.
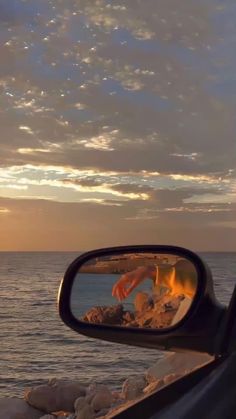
[118, 124]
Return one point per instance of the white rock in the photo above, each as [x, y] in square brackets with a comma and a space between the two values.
[89, 398]
[133, 387]
[55, 396]
[93, 388]
[103, 414]
[140, 301]
[102, 399]
[100, 389]
[176, 363]
[184, 307]
[154, 386]
[86, 413]
[14, 408]
[117, 396]
[170, 378]
[80, 403]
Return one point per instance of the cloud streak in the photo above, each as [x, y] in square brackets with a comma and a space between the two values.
[123, 107]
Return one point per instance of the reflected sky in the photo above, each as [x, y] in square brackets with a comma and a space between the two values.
[126, 107]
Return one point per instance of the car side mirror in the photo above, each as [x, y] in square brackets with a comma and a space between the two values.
[151, 296]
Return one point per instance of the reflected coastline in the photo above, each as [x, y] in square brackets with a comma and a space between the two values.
[134, 290]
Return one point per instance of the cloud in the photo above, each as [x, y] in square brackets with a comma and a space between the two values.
[125, 107]
[67, 184]
[48, 225]
[4, 211]
[32, 150]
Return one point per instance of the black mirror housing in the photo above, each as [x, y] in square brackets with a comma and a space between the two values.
[195, 332]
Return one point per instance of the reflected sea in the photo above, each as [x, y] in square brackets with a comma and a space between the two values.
[36, 345]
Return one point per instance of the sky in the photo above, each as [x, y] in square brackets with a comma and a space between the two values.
[117, 124]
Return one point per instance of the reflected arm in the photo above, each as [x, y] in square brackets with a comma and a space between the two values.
[130, 280]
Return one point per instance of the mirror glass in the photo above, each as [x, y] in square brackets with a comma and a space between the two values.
[148, 290]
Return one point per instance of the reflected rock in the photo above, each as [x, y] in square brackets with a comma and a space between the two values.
[105, 314]
[183, 308]
[149, 311]
[128, 317]
[156, 312]
[114, 315]
[142, 302]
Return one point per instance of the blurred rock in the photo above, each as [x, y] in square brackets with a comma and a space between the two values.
[61, 414]
[154, 386]
[133, 387]
[89, 398]
[98, 396]
[49, 417]
[14, 408]
[102, 399]
[80, 403]
[92, 388]
[55, 396]
[85, 413]
[168, 379]
[91, 391]
[102, 413]
[116, 395]
[176, 363]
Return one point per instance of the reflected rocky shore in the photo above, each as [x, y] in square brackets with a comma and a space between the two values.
[65, 399]
[157, 312]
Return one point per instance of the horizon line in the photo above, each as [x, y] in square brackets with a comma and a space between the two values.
[85, 251]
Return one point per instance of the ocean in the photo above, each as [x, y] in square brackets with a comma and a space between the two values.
[37, 346]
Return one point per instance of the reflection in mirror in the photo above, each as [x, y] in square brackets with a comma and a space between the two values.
[148, 290]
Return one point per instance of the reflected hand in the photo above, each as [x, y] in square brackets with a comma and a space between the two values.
[127, 282]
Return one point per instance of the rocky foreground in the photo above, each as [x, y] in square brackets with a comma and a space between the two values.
[74, 400]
